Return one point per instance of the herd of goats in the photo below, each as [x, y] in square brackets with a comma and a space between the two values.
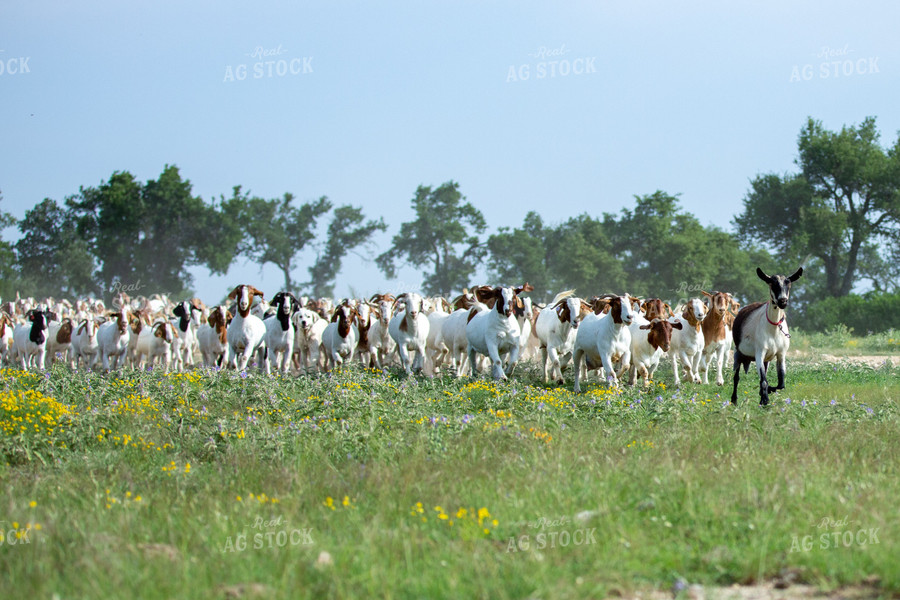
[610, 333]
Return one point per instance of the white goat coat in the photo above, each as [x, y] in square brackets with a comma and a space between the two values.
[495, 336]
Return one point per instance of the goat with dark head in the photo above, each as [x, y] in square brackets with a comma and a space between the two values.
[761, 334]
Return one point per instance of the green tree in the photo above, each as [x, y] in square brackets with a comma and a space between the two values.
[653, 249]
[577, 253]
[843, 207]
[521, 255]
[9, 279]
[348, 230]
[53, 259]
[443, 238]
[277, 230]
[148, 235]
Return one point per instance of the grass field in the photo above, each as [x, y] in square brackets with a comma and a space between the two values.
[368, 484]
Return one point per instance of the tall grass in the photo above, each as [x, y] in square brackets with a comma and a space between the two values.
[145, 484]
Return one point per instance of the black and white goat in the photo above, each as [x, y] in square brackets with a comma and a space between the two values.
[761, 334]
[280, 332]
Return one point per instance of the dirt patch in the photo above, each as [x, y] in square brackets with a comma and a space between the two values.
[874, 361]
[773, 590]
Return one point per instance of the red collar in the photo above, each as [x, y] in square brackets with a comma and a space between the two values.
[771, 322]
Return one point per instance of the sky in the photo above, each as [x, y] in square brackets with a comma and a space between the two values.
[562, 108]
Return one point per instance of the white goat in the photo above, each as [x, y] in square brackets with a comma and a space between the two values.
[687, 342]
[555, 329]
[605, 339]
[85, 346]
[280, 332]
[213, 336]
[495, 332]
[409, 330]
[113, 337]
[340, 336]
[247, 333]
[380, 343]
[155, 342]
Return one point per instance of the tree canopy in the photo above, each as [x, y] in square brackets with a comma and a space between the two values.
[443, 238]
[842, 208]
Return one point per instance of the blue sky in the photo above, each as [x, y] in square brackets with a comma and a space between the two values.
[691, 98]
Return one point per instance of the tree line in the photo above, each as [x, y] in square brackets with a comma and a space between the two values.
[838, 216]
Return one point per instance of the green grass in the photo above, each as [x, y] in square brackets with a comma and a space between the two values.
[671, 483]
[842, 341]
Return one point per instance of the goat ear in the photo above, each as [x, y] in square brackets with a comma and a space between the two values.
[336, 315]
[645, 326]
[256, 292]
[796, 275]
[707, 294]
[763, 276]
[234, 293]
[677, 325]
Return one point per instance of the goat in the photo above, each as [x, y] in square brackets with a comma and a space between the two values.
[113, 338]
[435, 349]
[59, 339]
[687, 342]
[453, 331]
[409, 330]
[649, 340]
[247, 333]
[364, 321]
[760, 334]
[156, 342]
[654, 308]
[7, 326]
[381, 345]
[183, 346]
[555, 328]
[495, 332]
[340, 336]
[84, 343]
[604, 339]
[30, 339]
[309, 327]
[716, 329]
[213, 337]
[280, 331]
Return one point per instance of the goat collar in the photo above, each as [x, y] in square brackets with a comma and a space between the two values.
[778, 324]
